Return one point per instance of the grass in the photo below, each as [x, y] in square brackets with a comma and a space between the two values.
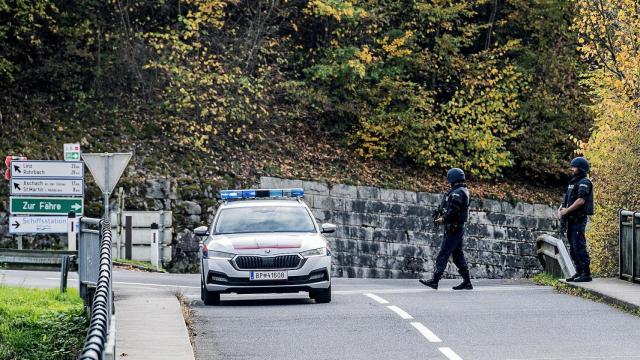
[40, 324]
[142, 265]
[546, 279]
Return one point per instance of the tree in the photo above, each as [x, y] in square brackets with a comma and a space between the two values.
[610, 37]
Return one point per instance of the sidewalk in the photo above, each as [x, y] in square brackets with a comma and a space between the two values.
[613, 291]
[150, 325]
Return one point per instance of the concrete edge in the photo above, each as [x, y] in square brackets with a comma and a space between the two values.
[604, 297]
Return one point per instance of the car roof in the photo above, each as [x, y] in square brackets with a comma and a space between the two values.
[263, 202]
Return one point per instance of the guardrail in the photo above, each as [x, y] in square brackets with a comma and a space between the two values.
[100, 341]
[554, 257]
[629, 246]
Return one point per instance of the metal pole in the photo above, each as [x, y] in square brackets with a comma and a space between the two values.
[620, 232]
[106, 193]
[633, 247]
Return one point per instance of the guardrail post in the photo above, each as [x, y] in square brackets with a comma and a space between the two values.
[72, 231]
[155, 246]
[64, 273]
[633, 248]
[620, 232]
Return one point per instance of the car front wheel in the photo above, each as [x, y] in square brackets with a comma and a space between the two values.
[322, 296]
[209, 297]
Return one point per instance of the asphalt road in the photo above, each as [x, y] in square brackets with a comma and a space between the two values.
[395, 319]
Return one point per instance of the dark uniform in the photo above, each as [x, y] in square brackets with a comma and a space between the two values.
[580, 187]
[454, 213]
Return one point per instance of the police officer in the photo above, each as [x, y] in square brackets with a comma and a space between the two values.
[577, 205]
[455, 212]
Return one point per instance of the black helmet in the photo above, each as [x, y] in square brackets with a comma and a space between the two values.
[455, 175]
[580, 163]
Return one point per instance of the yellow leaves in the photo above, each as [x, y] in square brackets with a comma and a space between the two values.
[365, 55]
[337, 9]
[396, 48]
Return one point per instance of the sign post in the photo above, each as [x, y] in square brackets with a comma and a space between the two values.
[106, 169]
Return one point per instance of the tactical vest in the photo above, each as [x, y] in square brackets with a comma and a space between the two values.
[464, 193]
[572, 195]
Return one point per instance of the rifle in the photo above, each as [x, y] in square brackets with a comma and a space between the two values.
[440, 211]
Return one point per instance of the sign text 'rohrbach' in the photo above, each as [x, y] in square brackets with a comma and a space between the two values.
[47, 169]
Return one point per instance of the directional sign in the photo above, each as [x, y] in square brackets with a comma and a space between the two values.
[71, 152]
[47, 187]
[37, 224]
[45, 205]
[47, 169]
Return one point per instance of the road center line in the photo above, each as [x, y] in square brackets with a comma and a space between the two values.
[426, 332]
[450, 354]
[403, 314]
[377, 298]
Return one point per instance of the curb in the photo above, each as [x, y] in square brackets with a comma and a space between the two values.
[605, 298]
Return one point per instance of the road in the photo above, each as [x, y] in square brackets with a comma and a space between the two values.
[395, 319]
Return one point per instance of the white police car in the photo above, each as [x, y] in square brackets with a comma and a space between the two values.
[265, 241]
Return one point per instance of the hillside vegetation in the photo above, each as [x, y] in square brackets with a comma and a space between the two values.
[359, 91]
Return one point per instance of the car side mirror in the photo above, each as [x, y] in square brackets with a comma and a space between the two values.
[328, 228]
[201, 231]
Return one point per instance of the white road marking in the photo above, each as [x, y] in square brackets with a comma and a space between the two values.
[403, 314]
[450, 354]
[377, 298]
[426, 332]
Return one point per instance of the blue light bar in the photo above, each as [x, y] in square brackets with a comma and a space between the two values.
[261, 193]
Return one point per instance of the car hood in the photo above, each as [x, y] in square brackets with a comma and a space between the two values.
[276, 243]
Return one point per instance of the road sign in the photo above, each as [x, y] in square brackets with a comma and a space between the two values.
[71, 152]
[37, 224]
[106, 168]
[45, 205]
[7, 163]
[47, 187]
[46, 169]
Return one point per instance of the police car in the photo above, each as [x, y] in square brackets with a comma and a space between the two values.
[265, 241]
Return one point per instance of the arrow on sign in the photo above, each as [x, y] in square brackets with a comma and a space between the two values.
[76, 207]
[16, 224]
[16, 168]
[16, 186]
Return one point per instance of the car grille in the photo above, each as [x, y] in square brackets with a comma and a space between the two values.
[267, 262]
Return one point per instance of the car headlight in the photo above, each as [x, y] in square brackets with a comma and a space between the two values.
[315, 252]
[220, 255]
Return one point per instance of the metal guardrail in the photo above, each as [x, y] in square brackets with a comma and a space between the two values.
[629, 246]
[554, 257]
[100, 341]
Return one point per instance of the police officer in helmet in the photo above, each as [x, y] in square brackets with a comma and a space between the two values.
[455, 212]
[576, 207]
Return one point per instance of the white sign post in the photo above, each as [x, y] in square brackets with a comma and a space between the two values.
[106, 169]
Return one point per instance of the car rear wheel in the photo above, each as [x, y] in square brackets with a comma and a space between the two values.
[209, 297]
[322, 296]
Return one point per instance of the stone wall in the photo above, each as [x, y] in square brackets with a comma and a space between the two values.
[385, 233]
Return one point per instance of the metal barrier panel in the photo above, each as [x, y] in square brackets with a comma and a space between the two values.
[88, 255]
[629, 254]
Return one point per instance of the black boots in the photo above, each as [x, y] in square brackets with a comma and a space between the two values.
[584, 277]
[466, 283]
[432, 283]
[573, 278]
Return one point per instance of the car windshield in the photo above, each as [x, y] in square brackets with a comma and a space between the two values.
[260, 219]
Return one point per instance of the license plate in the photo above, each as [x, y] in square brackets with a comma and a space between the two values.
[268, 275]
